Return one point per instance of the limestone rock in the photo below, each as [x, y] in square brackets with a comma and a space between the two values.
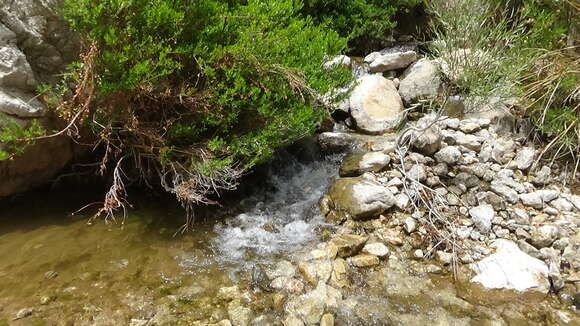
[390, 61]
[358, 163]
[420, 81]
[545, 235]
[482, 216]
[348, 244]
[375, 105]
[538, 199]
[448, 155]
[360, 198]
[509, 268]
[377, 249]
[524, 158]
[426, 137]
[364, 260]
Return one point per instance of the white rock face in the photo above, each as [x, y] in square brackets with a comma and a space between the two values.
[383, 62]
[482, 216]
[509, 268]
[375, 105]
[420, 81]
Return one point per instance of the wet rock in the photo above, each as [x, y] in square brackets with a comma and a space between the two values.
[379, 62]
[364, 260]
[144, 322]
[285, 283]
[348, 244]
[545, 235]
[390, 236]
[23, 313]
[310, 307]
[337, 142]
[443, 257]
[375, 105]
[509, 268]
[340, 272]
[238, 314]
[539, 198]
[543, 177]
[228, 293]
[327, 320]
[448, 155]
[360, 198]
[293, 321]
[46, 299]
[315, 272]
[420, 81]
[260, 278]
[282, 268]
[50, 275]
[377, 249]
[482, 215]
[358, 163]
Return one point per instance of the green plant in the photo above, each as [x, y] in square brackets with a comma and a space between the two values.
[195, 92]
[14, 138]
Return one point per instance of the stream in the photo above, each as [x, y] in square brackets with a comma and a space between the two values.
[140, 272]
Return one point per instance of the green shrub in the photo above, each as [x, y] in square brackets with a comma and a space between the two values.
[362, 21]
[14, 138]
[198, 91]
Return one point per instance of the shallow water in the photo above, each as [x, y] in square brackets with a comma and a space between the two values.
[71, 273]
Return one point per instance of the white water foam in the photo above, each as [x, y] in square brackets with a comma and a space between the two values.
[281, 219]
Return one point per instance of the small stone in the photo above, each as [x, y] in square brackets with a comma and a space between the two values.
[348, 244]
[524, 159]
[44, 300]
[377, 249]
[293, 321]
[228, 293]
[402, 201]
[448, 155]
[238, 314]
[23, 313]
[418, 254]
[545, 235]
[443, 257]
[410, 225]
[364, 260]
[562, 205]
[50, 275]
[504, 191]
[391, 236]
[340, 271]
[327, 320]
[543, 176]
[482, 215]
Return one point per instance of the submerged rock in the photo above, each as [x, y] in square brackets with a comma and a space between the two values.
[375, 105]
[360, 198]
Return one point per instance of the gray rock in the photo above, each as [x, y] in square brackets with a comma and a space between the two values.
[562, 205]
[543, 176]
[358, 163]
[441, 170]
[503, 150]
[348, 244]
[524, 158]
[417, 173]
[375, 105]
[360, 198]
[448, 155]
[334, 142]
[466, 179]
[545, 235]
[402, 201]
[504, 191]
[426, 137]
[23, 313]
[471, 142]
[377, 249]
[390, 61]
[538, 199]
[420, 81]
[410, 225]
[482, 215]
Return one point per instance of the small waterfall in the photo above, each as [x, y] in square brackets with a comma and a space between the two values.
[281, 217]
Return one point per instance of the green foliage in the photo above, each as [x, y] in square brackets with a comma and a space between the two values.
[14, 137]
[360, 20]
[201, 87]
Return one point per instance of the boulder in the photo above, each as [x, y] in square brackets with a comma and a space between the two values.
[420, 81]
[509, 268]
[375, 105]
[390, 61]
[358, 163]
[360, 198]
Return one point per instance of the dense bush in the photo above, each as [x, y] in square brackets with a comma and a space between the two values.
[360, 20]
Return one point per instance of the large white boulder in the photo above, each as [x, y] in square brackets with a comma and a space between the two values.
[375, 105]
[509, 268]
[420, 81]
